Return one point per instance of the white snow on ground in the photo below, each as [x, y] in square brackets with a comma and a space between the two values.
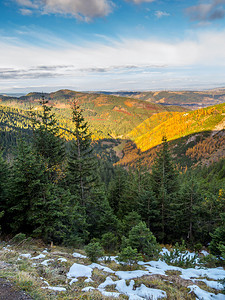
[62, 259]
[88, 289]
[26, 255]
[73, 280]
[213, 273]
[164, 251]
[205, 253]
[211, 283]
[38, 256]
[88, 280]
[45, 262]
[78, 270]
[55, 288]
[78, 255]
[141, 292]
[100, 267]
[201, 294]
[131, 274]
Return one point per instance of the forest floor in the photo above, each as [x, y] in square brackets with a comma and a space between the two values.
[67, 274]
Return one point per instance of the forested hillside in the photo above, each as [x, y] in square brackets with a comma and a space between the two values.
[190, 99]
[107, 115]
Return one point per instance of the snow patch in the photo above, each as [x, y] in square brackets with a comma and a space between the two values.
[78, 255]
[62, 259]
[100, 267]
[78, 270]
[201, 294]
[38, 256]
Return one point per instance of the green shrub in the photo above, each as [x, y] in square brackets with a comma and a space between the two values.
[94, 251]
[209, 261]
[129, 256]
[198, 247]
[142, 239]
[179, 257]
[109, 241]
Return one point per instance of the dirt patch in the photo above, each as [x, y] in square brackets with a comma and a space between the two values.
[9, 292]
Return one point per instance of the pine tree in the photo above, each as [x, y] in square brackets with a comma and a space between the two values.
[81, 162]
[164, 185]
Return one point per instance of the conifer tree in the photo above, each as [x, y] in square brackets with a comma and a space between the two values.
[4, 179]
[164, 185]
[47, 141]
[81, 162]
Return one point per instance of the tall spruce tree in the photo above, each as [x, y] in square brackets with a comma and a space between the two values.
[81, 163]
[47, 141]
[165, 186]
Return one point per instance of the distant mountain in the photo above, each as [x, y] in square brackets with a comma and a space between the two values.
[107, 115]
[190, 99]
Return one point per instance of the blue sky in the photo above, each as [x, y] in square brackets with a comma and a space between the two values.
[88, 45]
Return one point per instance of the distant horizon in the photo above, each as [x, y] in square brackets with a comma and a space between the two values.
[19, 94]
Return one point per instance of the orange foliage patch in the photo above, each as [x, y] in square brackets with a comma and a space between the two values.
[128, 103]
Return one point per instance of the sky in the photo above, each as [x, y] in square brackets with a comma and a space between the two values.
[111, 45]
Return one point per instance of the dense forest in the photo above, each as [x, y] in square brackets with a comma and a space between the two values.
[63, 192]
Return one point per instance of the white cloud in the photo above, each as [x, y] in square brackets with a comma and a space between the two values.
[81, 9]
[159, 14]
[97, 61]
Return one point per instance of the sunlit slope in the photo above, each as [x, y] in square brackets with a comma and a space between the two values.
[175, 125]
[107, 115]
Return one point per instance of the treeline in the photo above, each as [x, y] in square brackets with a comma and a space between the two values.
[65, 194]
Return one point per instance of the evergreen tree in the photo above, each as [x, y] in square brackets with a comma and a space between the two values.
[47, 141]
[81, 162]
[165, 186]
[27, 186]
[142, 239]
[188, 215]
[4, 180]
[117, 190]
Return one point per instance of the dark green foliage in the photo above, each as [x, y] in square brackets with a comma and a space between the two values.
[117, 188]
[179, 257]
[81, 173]
[47, 140]
[94, 251]
[165, 188]
[4, 179]
[142, 239]
[129, 256]
[109, 241]
[100, 217]
[218, 238]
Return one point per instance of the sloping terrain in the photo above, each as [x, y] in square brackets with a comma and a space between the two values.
[191, 99]
[194, 136]
[61, 273]
[107, 115]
